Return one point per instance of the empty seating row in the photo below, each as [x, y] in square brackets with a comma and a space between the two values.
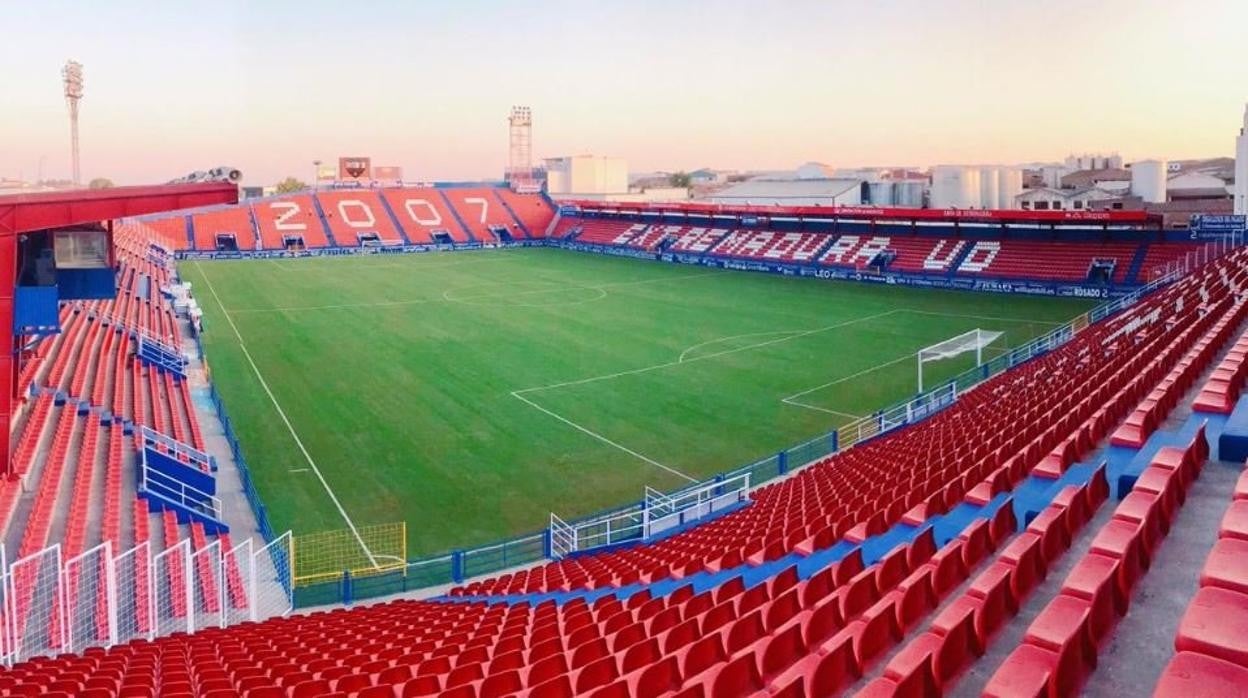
[533, 213]
[425, 216]
[353, 214]
[597, 231]
[1160, 254]
[654, 237]
[965, 627]
[1060, 647]
[798, 248]
[1225, 316]
[697, 240]
[171, 232]
[213, 227]
[1059, 261]
[1221, 391]
[1008, 259]
[351, 217]
[1212, 652]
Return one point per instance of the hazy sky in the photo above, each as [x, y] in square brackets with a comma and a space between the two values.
[270, 86]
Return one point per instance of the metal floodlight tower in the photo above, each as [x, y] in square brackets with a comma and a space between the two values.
[520, 158]
[72, 75]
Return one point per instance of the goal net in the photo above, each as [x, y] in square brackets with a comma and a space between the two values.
[973, 341]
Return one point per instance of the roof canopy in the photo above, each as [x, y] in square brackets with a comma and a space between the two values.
[57, 209]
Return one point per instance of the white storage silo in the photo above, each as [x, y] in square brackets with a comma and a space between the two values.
[946, 186]
[955, 186]
[989, 181]
[881, 193]
[908, 193]
[970, 188]
[1148, 180]
[1009, 185]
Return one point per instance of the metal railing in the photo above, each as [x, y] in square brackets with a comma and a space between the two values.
[52, 605]
[656, 513]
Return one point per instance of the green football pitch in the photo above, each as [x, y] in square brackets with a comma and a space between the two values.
[470, 394]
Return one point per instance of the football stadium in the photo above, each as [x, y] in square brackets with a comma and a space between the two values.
[959, 430]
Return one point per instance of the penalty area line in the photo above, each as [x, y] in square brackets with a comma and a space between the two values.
[600, 437]
[282, 413]
[837, 413]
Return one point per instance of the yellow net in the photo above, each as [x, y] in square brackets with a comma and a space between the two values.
[324, 556]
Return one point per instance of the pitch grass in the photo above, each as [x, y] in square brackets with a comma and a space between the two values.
[397, 372]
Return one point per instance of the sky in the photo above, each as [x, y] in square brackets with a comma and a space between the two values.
[268, 87]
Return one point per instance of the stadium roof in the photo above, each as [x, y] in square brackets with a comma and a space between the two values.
[62, 208]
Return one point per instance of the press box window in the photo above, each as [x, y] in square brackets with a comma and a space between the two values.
[81, 249]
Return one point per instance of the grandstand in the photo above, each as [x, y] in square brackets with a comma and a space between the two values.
[997, 534]
[1121, 257]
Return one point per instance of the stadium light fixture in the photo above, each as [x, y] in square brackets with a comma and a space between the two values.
[72, 77]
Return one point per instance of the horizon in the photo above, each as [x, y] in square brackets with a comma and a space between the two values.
[270, 88]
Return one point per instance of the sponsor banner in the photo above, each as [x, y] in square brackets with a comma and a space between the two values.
[1034, 288]
[604, 249]
[355, 168]
[350, 251]
[1219, 224]
[1211, 228]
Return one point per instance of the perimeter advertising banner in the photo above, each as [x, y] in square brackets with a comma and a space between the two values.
[359, 168]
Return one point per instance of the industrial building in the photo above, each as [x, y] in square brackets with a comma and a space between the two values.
[586, 176]
[976, 186]
[1049, 199]
[1094, 161]
[792, 192]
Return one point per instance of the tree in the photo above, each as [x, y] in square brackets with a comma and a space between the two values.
[289, 185]
[101, 183]
[680, 180]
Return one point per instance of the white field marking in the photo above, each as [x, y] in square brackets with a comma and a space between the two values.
[851, 376]
[298, 470]
[791, 401]
[282, 413]
[838, 413]
[667, 364]
[445, 299]
[699, 345]
[519, 394]
[516, 394]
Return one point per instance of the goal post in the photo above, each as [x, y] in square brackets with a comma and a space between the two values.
[975, 341]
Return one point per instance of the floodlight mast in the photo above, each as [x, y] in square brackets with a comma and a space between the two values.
[520, 145]
[72, 77]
